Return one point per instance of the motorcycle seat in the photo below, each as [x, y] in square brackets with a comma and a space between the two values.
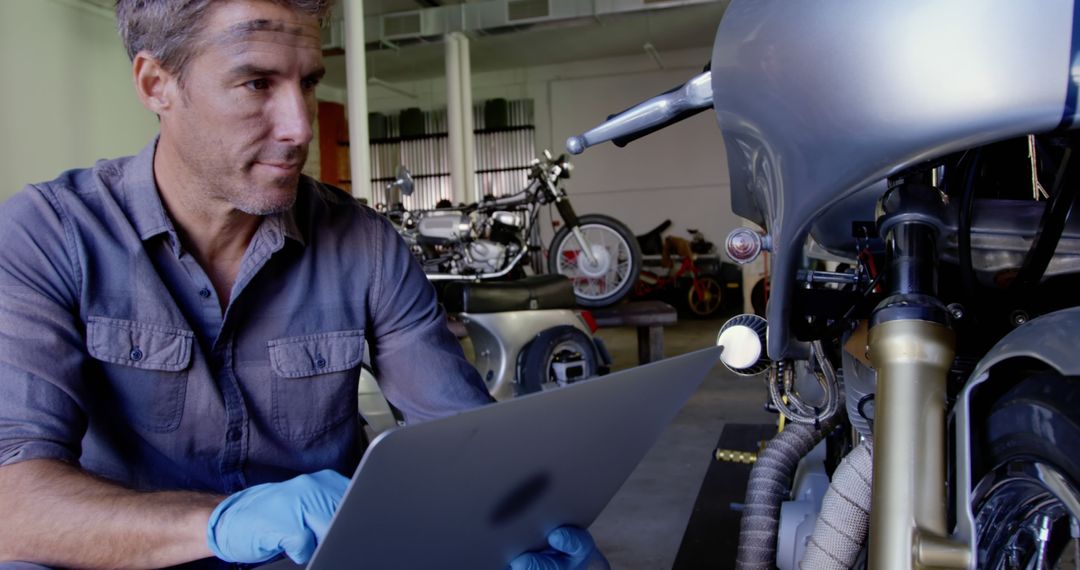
[537, 292]
[650, 242]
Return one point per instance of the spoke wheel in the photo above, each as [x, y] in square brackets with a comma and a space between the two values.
[609, 273]
[704, 296]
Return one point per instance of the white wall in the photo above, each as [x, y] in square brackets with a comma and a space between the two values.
[678, 173]
[66, 98]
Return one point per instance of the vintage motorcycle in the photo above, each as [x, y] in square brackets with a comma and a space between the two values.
[929, 147]
[491, 239]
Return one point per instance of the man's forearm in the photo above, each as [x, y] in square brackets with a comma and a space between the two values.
[57, 514]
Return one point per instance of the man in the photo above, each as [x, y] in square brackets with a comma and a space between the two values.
[181, 331]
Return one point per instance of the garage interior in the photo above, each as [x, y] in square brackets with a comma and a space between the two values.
[563, 66]
[921, 192]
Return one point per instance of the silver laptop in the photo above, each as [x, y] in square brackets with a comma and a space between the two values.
[476, 489]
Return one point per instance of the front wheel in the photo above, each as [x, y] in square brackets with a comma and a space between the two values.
[613, 269]
[1022, 505]
[704, 296]
[555, 358]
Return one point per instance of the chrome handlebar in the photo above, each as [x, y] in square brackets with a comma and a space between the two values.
[694, 95]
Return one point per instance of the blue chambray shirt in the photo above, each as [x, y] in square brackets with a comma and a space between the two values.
[115, 354]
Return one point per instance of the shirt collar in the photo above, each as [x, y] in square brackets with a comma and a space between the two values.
[139, 193]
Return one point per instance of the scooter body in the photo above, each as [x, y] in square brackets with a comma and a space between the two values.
[501, 339]
[527, 335]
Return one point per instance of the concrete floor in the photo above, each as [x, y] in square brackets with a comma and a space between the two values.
[642, 527]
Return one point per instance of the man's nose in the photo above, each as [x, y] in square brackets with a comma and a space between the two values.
[292, 116]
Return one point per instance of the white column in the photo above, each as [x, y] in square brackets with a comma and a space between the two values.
[468, 140]
[455, 120]
[356, 84]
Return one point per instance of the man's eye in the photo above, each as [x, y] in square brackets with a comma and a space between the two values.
[258, 84]
[309, 84]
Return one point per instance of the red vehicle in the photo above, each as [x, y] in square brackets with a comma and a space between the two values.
[685, 282]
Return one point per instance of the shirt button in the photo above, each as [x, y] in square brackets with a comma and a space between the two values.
[136, 354]
[320, 362]
[233, 434]
[204, 293]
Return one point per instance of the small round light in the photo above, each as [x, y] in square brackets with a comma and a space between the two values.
[742, 348]
[743, 339]
[743, 245]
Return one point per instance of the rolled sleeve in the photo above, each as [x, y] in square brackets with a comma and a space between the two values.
[41, 346]
[420, 365]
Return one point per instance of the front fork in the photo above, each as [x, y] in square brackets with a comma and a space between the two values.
[912, 349]
[570, 218]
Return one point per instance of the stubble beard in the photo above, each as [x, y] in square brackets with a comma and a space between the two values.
[269, 203]
[277, 196]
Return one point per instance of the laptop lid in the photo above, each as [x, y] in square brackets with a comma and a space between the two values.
[476, 489]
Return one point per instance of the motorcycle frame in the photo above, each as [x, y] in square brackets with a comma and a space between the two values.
[812, 129]
[800, 163]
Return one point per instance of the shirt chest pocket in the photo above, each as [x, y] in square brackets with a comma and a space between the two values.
[145, 367]
[314, 383]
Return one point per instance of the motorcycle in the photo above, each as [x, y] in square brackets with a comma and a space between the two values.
[491, 239]
[929, 148]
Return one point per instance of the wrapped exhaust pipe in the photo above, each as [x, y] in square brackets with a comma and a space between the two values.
[770, 485]
[844, 521]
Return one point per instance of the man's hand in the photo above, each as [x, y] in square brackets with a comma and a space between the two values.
[257, 524]
[571, 549]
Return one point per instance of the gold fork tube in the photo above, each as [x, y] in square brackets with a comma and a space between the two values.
[908, 516]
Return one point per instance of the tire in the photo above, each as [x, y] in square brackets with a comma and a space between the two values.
[704, 297]
[619, 260]
[536, 370]
[1032, 436]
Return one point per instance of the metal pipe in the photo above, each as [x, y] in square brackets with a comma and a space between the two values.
[808, 276]
[913, 259]
[912, 359]
[467, 137]
[356, 85]
[454, 117]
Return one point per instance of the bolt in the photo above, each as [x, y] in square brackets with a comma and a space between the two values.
[956, 310]
[1019, 318]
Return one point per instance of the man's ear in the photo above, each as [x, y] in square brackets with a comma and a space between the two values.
[156, 87]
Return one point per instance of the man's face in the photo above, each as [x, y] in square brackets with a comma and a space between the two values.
[242, 124]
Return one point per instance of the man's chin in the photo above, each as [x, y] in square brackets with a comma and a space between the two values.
[269, 201]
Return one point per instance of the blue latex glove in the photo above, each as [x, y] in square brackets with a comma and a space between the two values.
[260, 522]
[571, 549]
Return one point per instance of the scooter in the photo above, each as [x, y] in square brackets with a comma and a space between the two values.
[527, 335]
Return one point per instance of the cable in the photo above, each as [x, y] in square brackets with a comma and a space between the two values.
[967, 208]
[1051, 226]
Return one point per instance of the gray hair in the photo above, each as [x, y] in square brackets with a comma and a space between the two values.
[169, 29]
